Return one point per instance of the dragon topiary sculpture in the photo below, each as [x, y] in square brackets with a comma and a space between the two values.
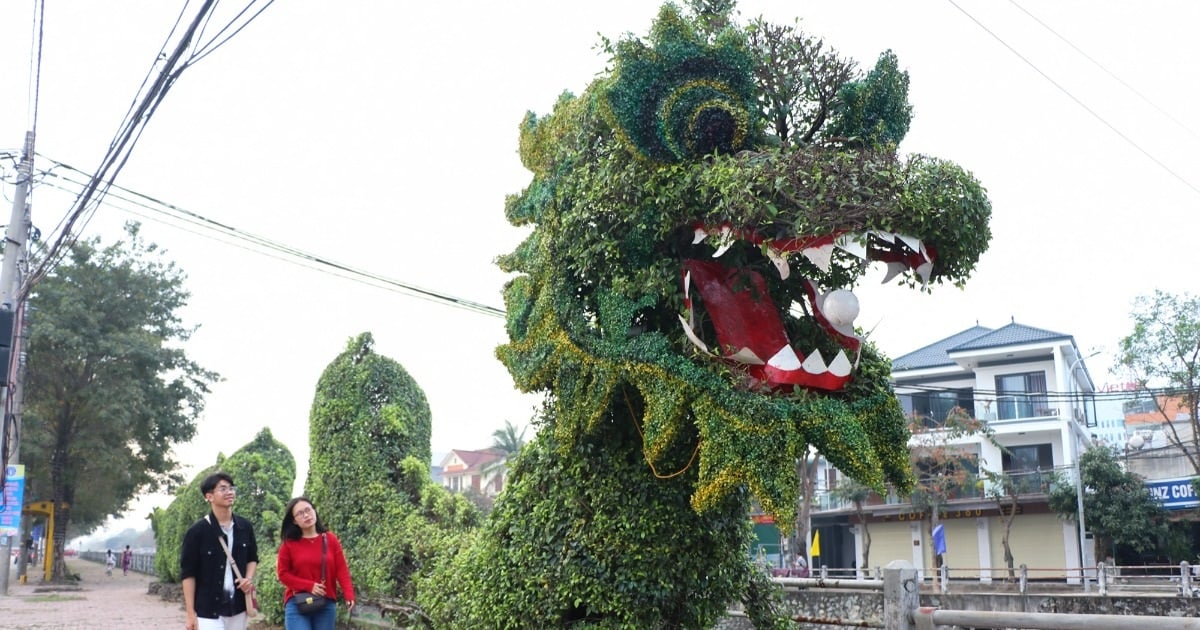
[682, 298]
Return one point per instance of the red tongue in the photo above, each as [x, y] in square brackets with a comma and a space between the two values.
[740, 307]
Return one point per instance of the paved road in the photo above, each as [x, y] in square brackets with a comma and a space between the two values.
[98, 602]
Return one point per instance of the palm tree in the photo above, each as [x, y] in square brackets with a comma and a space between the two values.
[508, 439]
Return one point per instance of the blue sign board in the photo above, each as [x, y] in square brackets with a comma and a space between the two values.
[1174, 494]
[14, 500]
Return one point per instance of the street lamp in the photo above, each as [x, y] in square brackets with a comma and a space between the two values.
[1078, 468]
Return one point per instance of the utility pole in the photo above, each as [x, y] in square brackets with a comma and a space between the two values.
[10, 289]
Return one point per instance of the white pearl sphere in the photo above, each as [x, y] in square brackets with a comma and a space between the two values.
[841, 308]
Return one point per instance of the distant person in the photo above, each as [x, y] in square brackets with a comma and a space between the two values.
[126, 559]
[110, 561]
[299, 566]
[214, 596]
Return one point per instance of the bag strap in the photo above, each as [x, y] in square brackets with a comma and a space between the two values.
[322, 557]
[236, 573]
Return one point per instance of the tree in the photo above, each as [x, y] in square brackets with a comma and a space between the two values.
[1164, 351]
[799, 80]
[109, 390]
[264, 472]
[1118, 507]
[369, 474]
[857, 494]
[1005, 491]
[508, 439]
[944, 470]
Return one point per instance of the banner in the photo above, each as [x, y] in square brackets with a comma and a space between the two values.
[816, 544]
[939, 539]
[1173, 494]
[14, 500]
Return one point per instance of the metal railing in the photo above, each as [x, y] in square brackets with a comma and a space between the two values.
[140, 563]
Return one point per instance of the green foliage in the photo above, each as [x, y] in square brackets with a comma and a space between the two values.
[263, 471]
[624, 175]
[368, 472]
[508, 439]
[678, 97]
[108, 390]
[585, 535]
[875, 110]
[1117, 507]
[1164, 350]
[798, 80]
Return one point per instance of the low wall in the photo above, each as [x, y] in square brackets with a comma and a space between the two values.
[854, 606]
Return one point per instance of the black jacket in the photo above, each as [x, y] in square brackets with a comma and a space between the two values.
[203, 558]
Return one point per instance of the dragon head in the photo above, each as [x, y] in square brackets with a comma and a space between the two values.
[690, 266]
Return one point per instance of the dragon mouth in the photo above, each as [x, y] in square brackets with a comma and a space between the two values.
[748, 324]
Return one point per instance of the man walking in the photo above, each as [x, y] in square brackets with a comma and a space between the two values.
[213, 594]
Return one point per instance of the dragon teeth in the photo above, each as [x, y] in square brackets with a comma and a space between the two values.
[746, 356]
[841, 365]
[691, 335]
[820, 256]
[780, 263]
[852, 244]
[924, 270]
[913, 243]
[814, 363]
[894, 269]
[725, 241]
[785, 359]
[698, 236]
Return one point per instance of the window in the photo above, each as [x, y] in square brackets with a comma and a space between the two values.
[933, 407]
[1022, 396]
[1025, 464]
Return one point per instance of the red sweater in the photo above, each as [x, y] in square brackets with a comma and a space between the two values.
[299, 567]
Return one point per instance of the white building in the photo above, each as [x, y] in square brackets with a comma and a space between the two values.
[1032, 388]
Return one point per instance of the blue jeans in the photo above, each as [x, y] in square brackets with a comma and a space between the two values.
[321, 620]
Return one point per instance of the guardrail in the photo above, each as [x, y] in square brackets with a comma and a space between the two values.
[141, 562]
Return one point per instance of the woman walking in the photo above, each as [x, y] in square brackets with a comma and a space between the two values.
[311, 566]
[126, 559]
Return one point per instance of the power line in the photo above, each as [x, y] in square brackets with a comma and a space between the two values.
[1079, 102]
[1106, 70]
[266, 246]
[131, 128]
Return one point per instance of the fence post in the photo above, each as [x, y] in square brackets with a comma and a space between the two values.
[1024, 583]
[944, 574]
[1185, 579]
[901, 595]
[1102, 578]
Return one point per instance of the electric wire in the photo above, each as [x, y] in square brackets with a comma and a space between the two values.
[130, 132]
[1110, 73]
[258, 244]
[1077, 101]
[212, 45]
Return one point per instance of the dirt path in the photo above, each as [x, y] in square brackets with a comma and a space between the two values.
[99, 601]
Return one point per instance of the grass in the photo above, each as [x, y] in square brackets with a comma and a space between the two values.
[55, 597]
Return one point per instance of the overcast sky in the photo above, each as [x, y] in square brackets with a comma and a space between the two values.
[383, 135]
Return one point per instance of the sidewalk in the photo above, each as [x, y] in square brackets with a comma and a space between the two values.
[96, 601]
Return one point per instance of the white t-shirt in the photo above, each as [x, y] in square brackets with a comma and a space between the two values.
[229, 565]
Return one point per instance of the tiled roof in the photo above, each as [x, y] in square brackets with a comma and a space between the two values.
[478, 459]
[975, 338]
[934, 354]
[1013, 334]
